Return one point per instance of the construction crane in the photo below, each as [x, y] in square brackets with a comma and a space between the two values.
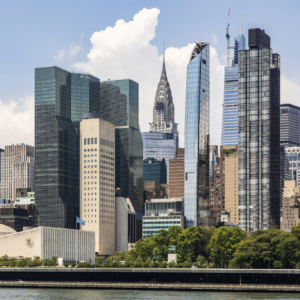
[228, 38]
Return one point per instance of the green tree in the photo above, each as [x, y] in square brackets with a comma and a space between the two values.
[224, 243]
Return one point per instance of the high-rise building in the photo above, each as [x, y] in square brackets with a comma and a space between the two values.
[17, 170]
[119, 104]
[155, 170]
[259, 140]
[213, 161]
[1, 150]
[163, 109]
[289, 125]
[176, 179]
[196, 156]
[292, 155]
[97, 180]
[60, 99]
[160, 145]
[232, 185]
[230, 116]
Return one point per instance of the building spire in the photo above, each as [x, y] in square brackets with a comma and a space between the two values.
[241, 25]
[164, 54]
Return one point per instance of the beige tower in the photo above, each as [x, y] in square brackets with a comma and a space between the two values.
[97, 180]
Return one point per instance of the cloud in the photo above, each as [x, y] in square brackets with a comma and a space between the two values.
[125, 51]
[215, 38]
[17, 121]
[70, 53]
[290, 91]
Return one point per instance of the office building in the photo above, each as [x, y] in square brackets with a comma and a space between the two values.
[155, 170]
[162, 214]
[97, 180]
[154, 189]
[289, 125]
[15, 217]
[292, 155]
[70, 245]
[196, 156]
[176, 180]
[232, 186]
[213, 161]
[125, 223]
[230, 116]
[217, 187]
[17, 170]
[119, 104]
[60, 98]
[259, 140]
[1, 150]
[163, 109]
[160, 145]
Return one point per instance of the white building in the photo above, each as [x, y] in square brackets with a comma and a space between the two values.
[97, 180]
[17, 170]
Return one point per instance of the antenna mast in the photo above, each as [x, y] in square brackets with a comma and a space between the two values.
[228, 38]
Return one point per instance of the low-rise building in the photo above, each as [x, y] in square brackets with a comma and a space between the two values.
[46, 242]
[162, 214]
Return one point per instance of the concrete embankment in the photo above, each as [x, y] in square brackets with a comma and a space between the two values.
[152, 286]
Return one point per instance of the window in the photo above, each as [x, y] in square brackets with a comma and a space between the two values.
[88, 141]
[95, 141]
[92, 141]
[84, 142]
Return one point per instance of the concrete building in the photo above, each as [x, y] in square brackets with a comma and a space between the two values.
[217, 188]
[46, 242]
[15, 217]
[125, 223]
[290, 205]
[232, 186]
[17, 170]
[6, 230]
[27, 199]
[97, 180]
[162, 214]
[176, 175]
[154, 189]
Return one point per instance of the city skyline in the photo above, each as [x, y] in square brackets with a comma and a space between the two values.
[70, 52]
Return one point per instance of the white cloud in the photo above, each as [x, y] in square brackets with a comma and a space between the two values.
[17, 121]
[73, 50]
[215, 38]
[290, 91]
[125, 51]
[61, 54]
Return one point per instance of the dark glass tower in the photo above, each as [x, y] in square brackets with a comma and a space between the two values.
[259, 134]
[196, 156]
[57, 103]
[119, 104]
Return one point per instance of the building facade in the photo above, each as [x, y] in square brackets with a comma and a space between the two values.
[97, 180]
[155, 170]
[57, 103]
[259, 141]
[1, 150]
[15, 217]
[162, 214]
[213, 161]
[230, 116]
[196, 156]
[160, 145]
[292, 155]
[176, 180]
[17, 169]
[119, 104]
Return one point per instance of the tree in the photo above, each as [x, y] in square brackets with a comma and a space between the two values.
[224, 242]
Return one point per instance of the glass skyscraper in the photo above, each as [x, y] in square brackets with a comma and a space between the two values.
[56, 142]
[196, 158]
[259, 139]
[230, 116]
[160, 145]
[119, 104]
[155, 170]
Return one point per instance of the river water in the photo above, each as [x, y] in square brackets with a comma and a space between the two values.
[86, 294]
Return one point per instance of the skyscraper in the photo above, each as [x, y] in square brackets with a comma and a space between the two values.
[119, 104]
[231, 100]
[60, 98]
[259, 138]
[17, 170]
[163, 109]
[289, 125]
[196, 158]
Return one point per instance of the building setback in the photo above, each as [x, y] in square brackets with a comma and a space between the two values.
[259, 141]
[17, 169]
[176, 179]
[97, 180]
[196, 156]
[61, 99]
[119, 104]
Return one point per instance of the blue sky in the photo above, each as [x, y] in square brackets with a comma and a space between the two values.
[43, 33]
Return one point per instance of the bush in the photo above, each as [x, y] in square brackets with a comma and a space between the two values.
[163, 264]
[187, 264]
[172, 264]
[154, 264]
[138, 264]
[145, 264]
[36, 262]
[66, 264]
[99, 262]
[84, 265]
[179, 265]
[13, 262]
[24, 262]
